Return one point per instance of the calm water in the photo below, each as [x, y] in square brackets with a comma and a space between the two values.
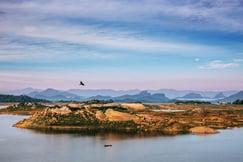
[168, 110]
[22, 145]
[3, 106]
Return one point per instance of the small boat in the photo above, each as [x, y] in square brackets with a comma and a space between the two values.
[107, 145]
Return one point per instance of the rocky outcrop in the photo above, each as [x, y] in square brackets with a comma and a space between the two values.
[61, 111]
[134, 106]
[112, 115]
[74, 105]
[198, 111]
[175, 128]
[203, 130]
[100, 115]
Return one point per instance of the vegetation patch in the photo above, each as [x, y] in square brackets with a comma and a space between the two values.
[115, 108]
[192, 102]
[239, 102]
[21, 99]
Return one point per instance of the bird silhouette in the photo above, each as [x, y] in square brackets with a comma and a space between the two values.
[81, 83]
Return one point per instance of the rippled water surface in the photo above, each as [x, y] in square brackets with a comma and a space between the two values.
[23, 145]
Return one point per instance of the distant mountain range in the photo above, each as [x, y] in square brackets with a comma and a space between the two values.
[55, 95]
[22, 91]
[102, 92]
[161, 95]
[21, 98]
[170, 93]
[233, 97]
[192, 96]
[220, 95]
[143, 96]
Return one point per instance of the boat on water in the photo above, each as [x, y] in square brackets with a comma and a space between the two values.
[107, 145]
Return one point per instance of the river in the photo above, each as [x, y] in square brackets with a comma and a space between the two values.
[23, 145]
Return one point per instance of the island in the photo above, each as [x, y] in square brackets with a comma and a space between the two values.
[23, 108]
[135, 118]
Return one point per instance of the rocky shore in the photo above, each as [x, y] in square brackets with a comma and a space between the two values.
[135, 118]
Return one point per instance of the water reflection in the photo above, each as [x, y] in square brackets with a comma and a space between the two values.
[3, 106]
[161, 110]
[24, 145]
[101, 135]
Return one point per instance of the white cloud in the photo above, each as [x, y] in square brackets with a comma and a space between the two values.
[51, 53]
[38, 20]
[238, 60]
[35, 19]
[220, 14]
[218, 64]
[96, 36]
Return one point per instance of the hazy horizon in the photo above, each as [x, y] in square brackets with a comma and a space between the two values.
[110, 44]
[42, 89]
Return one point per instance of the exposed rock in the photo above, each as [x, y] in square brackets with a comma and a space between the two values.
[134, 106]
[199, 111]
[100, 115]
[73, 105]
[213, 119]
[111, 104]
[118, 116]
[203, 130]
[62, 111]
[33, 107]
[149, 118]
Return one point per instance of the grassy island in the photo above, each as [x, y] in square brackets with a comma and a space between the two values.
[136, 117]
[25, 108]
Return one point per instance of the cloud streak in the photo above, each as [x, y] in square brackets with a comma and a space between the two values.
[88, 35]
[38, 20]
[238, 60]
[218, 64]
[222, 13]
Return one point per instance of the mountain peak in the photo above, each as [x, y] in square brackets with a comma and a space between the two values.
[192, 95]
[234, 97]
[219, 95]
[144, 93]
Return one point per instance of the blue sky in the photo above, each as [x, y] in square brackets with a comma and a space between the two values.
[121, 44]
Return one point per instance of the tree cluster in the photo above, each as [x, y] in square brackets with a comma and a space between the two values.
[238, 101]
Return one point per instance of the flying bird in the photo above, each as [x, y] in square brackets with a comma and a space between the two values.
[81, 83]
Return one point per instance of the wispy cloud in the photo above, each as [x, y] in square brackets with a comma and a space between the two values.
[41, 35]
[38, 20]
[222, 13]
[91, 35]
[238, 60]
[218, 64]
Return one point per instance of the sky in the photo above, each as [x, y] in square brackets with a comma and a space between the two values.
[121, 44]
